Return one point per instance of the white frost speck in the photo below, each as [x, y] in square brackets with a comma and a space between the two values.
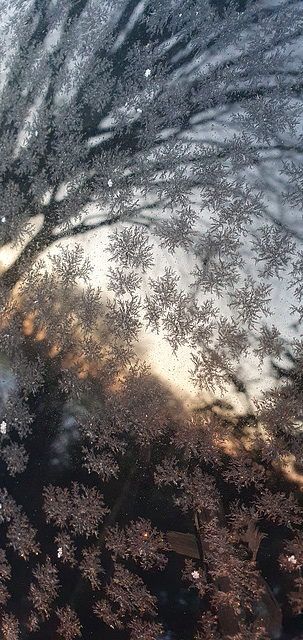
[195, 575]
[3, 427]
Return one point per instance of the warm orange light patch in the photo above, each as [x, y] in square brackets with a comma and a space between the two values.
[231, 446]
[40, 335]
[84, 371]
[289, 471]
[54, 351]
[28, 325]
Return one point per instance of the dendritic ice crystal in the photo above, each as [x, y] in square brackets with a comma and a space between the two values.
[151, 194]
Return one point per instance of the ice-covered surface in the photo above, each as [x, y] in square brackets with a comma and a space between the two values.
[211, 127]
